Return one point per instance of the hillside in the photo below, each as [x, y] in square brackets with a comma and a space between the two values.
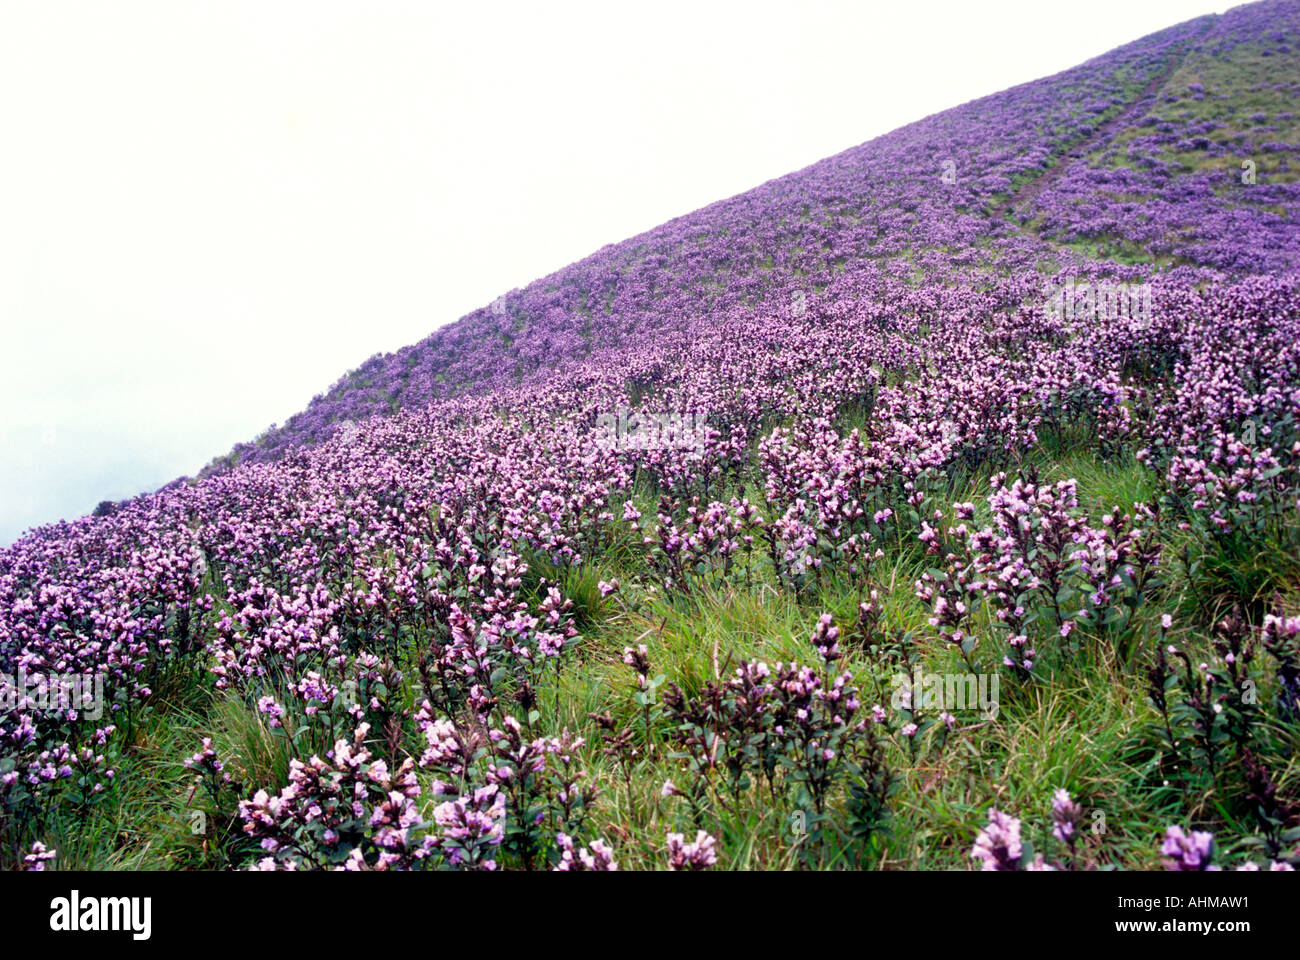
[1127, 163]
[937, 497]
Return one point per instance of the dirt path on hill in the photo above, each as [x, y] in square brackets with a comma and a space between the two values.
[1030, 190]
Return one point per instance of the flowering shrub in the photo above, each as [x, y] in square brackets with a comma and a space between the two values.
[1280, 636]
[999, 846]
[1041, 568]
[531, 789]
[703, 547]
[699, 854]
[39, 858]
[1207, 708]
[794, 728]
[1184, 852]
[600, 856]
[346, 812]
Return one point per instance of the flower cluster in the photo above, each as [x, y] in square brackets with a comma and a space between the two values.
[699, 854]
[348, 811]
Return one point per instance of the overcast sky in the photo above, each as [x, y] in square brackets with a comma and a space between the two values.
[210, 212]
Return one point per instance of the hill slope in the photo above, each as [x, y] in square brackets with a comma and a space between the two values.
[1134, 157]
[934, 496]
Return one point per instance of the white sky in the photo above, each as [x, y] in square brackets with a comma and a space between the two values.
[209, 212]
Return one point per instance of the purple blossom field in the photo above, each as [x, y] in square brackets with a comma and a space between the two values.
[933, 507]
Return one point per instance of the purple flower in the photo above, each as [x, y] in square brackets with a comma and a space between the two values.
[997, 846]
[1187, 852]
[699, 854]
